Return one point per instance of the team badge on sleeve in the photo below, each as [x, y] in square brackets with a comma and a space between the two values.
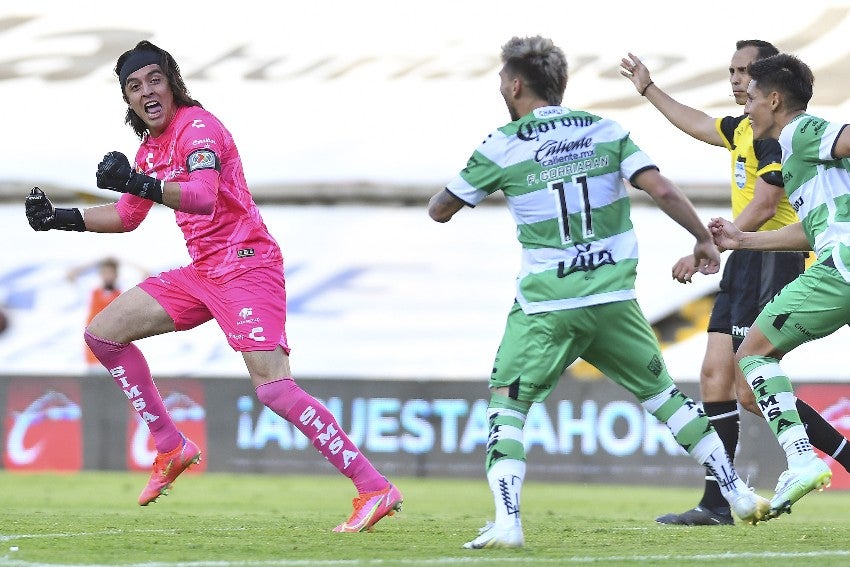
[203, 159]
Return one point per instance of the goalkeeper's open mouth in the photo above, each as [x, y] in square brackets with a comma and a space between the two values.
[153, 109]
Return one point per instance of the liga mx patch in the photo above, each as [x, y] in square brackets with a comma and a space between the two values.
[202, 159]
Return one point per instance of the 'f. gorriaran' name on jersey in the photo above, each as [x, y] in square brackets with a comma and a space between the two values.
[562, 174]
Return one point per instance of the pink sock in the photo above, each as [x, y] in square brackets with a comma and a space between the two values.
[317, 423]
[129, 369]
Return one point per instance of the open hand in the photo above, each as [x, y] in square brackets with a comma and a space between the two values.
[633, 69]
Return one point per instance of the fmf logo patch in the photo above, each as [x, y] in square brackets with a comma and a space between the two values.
[202, 159]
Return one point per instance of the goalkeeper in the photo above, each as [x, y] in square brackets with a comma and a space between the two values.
[189, 162]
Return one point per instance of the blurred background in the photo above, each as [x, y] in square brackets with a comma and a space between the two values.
[349, 116]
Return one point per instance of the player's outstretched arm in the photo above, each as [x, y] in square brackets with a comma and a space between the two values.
[691, 121]
[788, 238]
[42, 215]
[105, 218]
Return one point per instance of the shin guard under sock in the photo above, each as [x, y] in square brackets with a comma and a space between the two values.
[317, 423]
[128, 367]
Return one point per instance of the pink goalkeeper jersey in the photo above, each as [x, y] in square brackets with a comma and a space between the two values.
[233, 237]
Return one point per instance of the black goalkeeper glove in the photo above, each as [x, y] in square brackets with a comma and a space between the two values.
[42, 215]
[114, 172]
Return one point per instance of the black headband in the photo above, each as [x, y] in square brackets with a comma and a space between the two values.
[136, 60]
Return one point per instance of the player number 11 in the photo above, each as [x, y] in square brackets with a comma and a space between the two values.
[559, 190]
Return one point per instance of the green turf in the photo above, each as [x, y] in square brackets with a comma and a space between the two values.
[241, 520]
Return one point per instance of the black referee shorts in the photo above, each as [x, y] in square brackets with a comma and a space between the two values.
[750, 279]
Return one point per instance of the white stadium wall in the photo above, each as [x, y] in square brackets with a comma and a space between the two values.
[375, 91]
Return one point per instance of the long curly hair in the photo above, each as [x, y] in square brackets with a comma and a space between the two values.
[172, 73]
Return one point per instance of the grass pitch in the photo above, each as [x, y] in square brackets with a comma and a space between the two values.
[223, 520]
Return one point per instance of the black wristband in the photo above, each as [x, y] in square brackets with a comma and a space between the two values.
[145, 186]
[649, 84]
[69, 219]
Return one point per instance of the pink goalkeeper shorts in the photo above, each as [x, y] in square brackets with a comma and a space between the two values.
[250, 308]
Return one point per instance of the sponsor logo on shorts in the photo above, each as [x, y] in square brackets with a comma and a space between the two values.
[804, 331]
[740, 331]
[246, 318]
[245, 253]
[655, 365]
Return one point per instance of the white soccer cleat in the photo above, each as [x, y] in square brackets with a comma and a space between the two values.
[750, 507]
[492, 537]
[797, 482]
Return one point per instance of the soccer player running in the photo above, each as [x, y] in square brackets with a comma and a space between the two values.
[817, 302]
[561, 171]
[750, 278]
[188, 161]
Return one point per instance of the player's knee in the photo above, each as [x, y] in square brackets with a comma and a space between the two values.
[716, 386]
[748, 401]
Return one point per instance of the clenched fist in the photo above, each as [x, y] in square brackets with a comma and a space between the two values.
[42, 215]
[115, 173]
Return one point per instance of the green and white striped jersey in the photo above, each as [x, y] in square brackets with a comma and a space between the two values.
[818, 186]
[562, 173]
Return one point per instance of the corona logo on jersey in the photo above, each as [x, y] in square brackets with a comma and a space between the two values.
[43, 426]
[833, 403]
[184, 400]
